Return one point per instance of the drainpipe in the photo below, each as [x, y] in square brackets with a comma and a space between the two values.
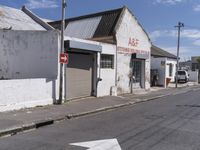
[99, 78]
[116, 56]
[98, 70]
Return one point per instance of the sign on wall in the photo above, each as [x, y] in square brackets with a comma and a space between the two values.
[64, 58]
[28, 54]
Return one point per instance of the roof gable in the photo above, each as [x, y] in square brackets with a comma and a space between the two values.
[126, 9]
[158, 52]
[91, 26]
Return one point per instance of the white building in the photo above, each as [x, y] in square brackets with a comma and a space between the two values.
[109, 53]
[123, 64]
[165, 64]
[28, 61]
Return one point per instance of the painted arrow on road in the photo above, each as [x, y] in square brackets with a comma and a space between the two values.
[108, 144]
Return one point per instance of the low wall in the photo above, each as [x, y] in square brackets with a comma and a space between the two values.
[17, 94]
[193, 76]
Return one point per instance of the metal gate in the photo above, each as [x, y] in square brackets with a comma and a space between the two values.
[79, 74]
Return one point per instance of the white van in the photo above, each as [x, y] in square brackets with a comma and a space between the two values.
[183, 76]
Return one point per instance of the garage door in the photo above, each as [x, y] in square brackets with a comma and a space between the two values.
[79, 75]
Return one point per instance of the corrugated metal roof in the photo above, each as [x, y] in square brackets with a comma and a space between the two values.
[15, 19]
[158, 52]
[105, 29]
[91, 26]
[84, 28]
[107, 24]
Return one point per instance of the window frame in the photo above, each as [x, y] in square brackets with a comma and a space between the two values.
[107, 61]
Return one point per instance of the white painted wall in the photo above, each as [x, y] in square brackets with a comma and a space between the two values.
[156, 64]
[107, 75]
[163, 69]
[28, 54]
[130, 28]
[173, 62]
[17, 94]
[31, 89]
[193, 76]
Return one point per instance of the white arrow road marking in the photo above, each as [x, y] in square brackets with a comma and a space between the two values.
[108, 144]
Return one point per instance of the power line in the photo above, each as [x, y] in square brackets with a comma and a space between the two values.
[194, 27]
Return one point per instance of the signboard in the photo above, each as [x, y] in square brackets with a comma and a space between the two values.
[64, 57]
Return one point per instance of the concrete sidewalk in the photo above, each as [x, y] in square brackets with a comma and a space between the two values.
[27, 119]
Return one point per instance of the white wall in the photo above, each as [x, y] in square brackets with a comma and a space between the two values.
[17, 94]
[107, 75]
[173, 62]
[35, 87]
[28, 54]
[129, 28]
[156, 64]
[162, 65]
[193, 76]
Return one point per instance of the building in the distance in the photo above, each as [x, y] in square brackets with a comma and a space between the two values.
[163, 64]
[185, 65]
[195, 63]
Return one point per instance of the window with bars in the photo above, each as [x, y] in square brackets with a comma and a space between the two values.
[107, 61]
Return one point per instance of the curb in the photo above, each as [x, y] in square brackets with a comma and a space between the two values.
[50, 121]
[25, 127]
[71, 116]
[17, 129]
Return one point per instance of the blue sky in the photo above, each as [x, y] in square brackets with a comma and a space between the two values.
[158, 18]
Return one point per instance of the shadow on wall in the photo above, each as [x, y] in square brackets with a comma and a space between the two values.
[53, 88]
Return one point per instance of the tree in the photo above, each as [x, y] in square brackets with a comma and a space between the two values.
[198, 61]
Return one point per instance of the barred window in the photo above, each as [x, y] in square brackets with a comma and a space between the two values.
[107, 61]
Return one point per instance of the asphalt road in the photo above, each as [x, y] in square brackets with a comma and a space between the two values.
[171, 123]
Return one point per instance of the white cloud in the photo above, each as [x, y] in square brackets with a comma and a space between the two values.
[173, 50]
[169, 2]
[155, 34]
[197, 8]
[197, 42]
[188, 33]
[36, 4]
[193, 33]
[162, 33]
[184, 51]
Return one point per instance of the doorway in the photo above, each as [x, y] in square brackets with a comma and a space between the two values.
[137, 66]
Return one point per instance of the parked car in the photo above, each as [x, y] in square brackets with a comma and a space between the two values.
[183, 76]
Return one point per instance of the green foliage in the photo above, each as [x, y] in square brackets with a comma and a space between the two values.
[198, 60]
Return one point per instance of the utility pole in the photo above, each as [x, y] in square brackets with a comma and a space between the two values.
[64, 4]
[179, 26]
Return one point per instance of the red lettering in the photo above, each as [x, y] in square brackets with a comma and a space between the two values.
[133, 42]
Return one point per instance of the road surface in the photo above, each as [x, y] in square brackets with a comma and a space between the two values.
[171, 123]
